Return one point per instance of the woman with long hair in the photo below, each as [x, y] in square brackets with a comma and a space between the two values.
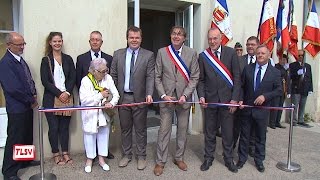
[58, 77]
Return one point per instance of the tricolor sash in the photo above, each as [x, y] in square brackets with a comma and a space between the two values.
[218, 67]
[178, 62]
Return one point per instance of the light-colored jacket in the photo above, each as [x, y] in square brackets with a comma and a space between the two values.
[92, 119]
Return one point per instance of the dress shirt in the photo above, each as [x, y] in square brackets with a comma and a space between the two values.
[253, 59]
[127, 70]
[218, 51]
[93, 56]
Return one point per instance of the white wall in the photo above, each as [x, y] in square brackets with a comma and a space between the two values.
[75, 19]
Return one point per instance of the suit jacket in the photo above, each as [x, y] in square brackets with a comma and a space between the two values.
[300, 84]
[16, 88]
[169, 81]
[243, 62]
[270, 87]
[83, 63]
[285, 79]
[143, 73]
[50, 90]
[212, 86]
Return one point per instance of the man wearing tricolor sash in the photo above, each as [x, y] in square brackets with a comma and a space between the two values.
[176, 77]
[219, 82]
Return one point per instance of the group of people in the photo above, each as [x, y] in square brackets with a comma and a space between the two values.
[218, 73]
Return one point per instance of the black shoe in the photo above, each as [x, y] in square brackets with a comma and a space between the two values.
[110, 155]
[280, 126]
[303, 124]
[260, 167]
[206, 165]
[30, 164]
[12, 178]
[231, 167]
[272, 127]
[240, 164]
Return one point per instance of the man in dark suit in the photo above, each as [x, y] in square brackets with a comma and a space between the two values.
[283, 67]
[83, 61]
[21, 97]
[133, 73]
[219, 82]
[260, 84]
[174, 82]
[301, 86]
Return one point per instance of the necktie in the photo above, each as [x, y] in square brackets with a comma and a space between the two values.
[131, 70]
[251, 60]
[28, 76]
[96, 54]
[258, 78]
[216, 54]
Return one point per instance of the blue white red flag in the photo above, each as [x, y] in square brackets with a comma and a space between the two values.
[267, 29]
[221, 20]
[282, 25]
[293, 28]
[311, 33]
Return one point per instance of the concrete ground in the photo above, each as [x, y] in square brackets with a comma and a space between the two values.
[306, 152]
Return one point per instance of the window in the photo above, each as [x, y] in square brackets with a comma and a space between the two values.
[8, 23]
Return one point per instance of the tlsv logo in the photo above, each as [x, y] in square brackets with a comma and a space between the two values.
[24, 152]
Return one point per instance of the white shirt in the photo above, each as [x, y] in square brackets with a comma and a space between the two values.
[18, 58]
[218, 51]
[93, 56]
[58, 76]
[263, 71]
[253, 59]
[127, 70]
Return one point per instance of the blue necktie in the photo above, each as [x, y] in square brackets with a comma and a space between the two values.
[131, 71]
[96, 54]
[258, 78]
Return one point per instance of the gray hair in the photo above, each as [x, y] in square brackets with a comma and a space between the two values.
[9, 38]
[96, 63]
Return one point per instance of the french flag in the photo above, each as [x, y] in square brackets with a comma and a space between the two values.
[293, 46]
[221, 20]
[311, 34]
[267, 28]
[283, 36]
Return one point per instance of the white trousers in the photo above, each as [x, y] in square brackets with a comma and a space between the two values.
[100, 140]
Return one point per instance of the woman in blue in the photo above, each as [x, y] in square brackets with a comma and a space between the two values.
[58, 77]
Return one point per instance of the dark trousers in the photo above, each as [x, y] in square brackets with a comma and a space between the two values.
[133, 117]
[274, 113]
[236, 127]
[58, 132]
[260, 128]
[279, 112]
[210, 127]
[20, 131]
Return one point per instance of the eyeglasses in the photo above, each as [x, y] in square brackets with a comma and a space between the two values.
[176, 34]
[103, 71]
[301, 55]
[19, 45]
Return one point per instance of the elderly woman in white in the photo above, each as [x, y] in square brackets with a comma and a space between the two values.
[95, 89]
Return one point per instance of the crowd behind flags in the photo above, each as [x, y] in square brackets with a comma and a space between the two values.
[311, 33]
[285, 31]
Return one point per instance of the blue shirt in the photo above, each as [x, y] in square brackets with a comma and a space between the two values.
[15, 85]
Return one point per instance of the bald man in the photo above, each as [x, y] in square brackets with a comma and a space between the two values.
[21, 97]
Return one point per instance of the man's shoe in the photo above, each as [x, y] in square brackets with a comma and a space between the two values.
[260, 167]
[142, 164]
[12, 178]
[110, 155]
[231, 167]
[240, 164]
[158, 170]
[280, 126]
[303, 124]
[124, 162]
[181, 165]
[206, 165]
[218, 133]
[272, 127]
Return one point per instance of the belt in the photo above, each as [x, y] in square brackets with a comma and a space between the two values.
[129, 93]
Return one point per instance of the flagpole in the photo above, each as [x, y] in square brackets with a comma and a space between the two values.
[261, 17]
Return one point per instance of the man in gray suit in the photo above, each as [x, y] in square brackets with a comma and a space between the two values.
[132, 70]
[219, 82]
[177, 74]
